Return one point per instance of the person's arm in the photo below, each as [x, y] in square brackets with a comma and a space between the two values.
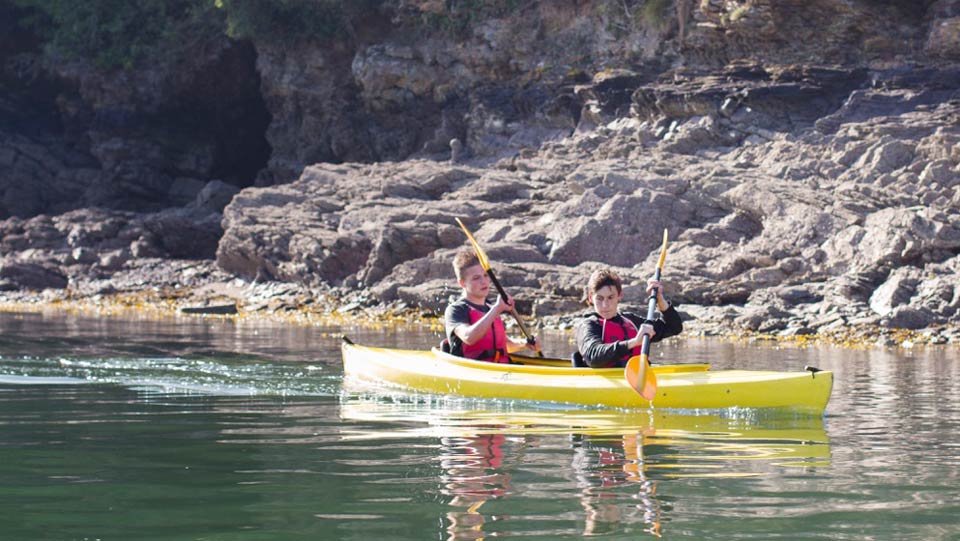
[597, 354]
[662, 303]
[668, 324]
[472, 333]
[514, 345]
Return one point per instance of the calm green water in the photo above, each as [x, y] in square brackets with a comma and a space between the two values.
[119, 429]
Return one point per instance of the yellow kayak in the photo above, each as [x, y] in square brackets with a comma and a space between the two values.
[685, 387]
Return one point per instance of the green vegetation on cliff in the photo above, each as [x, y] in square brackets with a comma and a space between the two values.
[121, 34]
[293, 20]
[456, 18]
[113, 33]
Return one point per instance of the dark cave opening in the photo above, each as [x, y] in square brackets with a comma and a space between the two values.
[226, 103]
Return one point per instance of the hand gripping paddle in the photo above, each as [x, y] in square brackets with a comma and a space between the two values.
[638, 371]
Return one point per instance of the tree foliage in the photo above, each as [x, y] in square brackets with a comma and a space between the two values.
[459, 16]
[113, 33]
[292, 20]
[121, 33]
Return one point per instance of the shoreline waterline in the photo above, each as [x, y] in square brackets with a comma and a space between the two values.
[327, 310]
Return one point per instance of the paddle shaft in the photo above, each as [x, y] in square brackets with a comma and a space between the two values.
[513, 310]
[638, 372]
[651, 313]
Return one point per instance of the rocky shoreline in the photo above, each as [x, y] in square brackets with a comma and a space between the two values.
[286, 305]
[851, 223]
[811, 190]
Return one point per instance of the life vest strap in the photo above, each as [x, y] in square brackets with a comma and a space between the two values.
[494, 355]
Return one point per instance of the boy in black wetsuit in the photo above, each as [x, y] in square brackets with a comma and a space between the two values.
[608, 338]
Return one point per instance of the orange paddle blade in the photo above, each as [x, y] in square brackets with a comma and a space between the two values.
[649, 384]
[481, 255]
[641, 377]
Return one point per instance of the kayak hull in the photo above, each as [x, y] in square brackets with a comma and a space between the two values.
[679, 386]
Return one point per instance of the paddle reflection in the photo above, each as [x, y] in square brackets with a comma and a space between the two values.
[603, 463]
[472, 475]
[617, 464]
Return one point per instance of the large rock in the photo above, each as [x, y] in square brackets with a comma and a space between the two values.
[185, 233]
[752, 95]
[894, 237]
[899, 288]
[27, 275]
[944, 38]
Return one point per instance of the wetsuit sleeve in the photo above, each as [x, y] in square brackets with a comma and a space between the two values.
[590, 344]
[670, 323]
[667, 325]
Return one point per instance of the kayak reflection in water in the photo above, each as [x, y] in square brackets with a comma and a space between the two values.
[473, 327]
[472, 475]
[608, 337]
[601, 465]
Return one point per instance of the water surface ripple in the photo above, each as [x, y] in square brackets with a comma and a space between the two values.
[220, 430]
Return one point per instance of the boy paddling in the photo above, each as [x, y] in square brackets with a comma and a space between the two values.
[473, 327]
[608, 338]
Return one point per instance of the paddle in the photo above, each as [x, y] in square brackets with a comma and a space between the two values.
[638, 372]
[485, 263]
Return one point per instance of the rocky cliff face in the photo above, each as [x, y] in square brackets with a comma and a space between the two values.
[76, 136]
[512, 82]
[853, 219]
[803, 156]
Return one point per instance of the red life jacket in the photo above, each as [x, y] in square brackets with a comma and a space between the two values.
[493, 346]
[613, 331]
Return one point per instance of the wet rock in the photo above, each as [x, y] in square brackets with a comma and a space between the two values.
[82, 255]
[184, 233]
[899, 288]
[907, 317]
[114, 259]
[215, 195]
[33, 276]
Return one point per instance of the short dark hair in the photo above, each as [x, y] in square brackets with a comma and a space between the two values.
[464, 259]
[601, 279]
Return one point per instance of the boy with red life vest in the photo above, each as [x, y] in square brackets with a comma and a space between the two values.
[608, 338]
[473, 327]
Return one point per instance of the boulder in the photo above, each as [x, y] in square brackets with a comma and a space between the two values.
[897, 291]
[32, 276]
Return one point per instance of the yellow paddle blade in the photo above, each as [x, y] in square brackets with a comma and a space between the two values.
[481, 255]
[663, 251]
[641, 377]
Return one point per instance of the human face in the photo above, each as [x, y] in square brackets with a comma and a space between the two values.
[475, 283]
[605, 301]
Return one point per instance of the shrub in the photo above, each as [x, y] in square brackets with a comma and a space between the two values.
[292, 20]
[461, 15]
[112, 33]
